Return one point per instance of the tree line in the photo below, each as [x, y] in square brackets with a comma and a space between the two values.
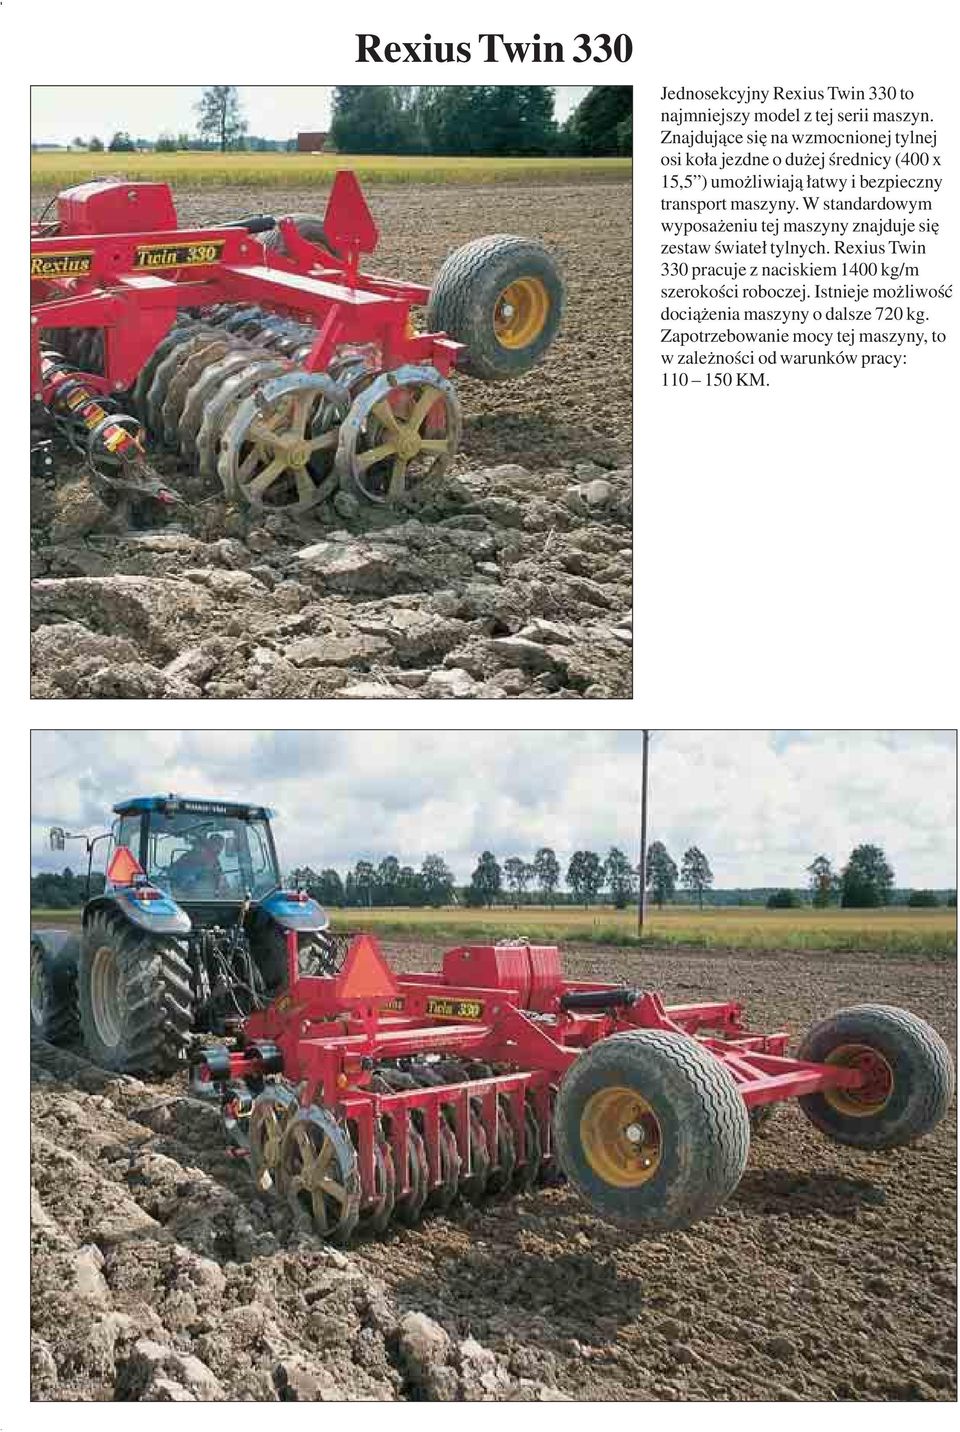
[481, 120]
[866, 881]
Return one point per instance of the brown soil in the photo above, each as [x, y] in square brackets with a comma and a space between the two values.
[829, 1275]
[511, 539]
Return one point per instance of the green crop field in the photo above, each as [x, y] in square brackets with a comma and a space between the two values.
[289, 171]
[895, 930]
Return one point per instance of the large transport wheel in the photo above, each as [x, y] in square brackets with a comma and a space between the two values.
[136, 1008]
[503, 297]
[54, 1015]
[651, 1129]
[319, 953]
[910, 1078]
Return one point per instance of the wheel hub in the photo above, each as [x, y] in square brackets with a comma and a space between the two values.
[621, 1138]
[872, 1094]
[407, 443]
[521, 312]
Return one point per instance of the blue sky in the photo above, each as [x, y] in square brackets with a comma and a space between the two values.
[761, 804]
[59, 112]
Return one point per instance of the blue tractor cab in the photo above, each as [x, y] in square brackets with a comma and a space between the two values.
[188, 936]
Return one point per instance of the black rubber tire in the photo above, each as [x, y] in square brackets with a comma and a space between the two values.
[154, 1003]
[705, 1131]
[924, 1079]
[58, 1019]
[309, 226]
[318, 954]
[464, 296]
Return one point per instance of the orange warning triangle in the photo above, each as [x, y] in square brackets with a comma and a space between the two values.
[123, 866]
[366, 974]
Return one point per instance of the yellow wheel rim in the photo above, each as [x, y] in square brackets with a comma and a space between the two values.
[874, 1094]
[520, 312]
[620, 1136]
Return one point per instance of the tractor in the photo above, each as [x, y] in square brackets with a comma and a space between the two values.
[360, 1096]
[260, 352]
[187, 937]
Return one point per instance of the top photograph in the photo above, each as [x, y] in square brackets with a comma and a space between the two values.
[331, 392]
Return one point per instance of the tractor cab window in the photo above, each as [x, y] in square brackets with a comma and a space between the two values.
[126, 831]
[210, 857]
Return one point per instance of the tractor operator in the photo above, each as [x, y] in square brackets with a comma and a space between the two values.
[200, 867]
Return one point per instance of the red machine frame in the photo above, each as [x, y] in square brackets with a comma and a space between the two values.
[131, 281]
[521, 1012]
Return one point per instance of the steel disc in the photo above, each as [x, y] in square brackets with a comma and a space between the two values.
[237, 356]
[377, 1217]
[410, 1206]
[165, 371]
[528, 1172]
[220, 405]
[318, 1173]
[474, 1186]
[141, 387]
[401, 433]
[501, 1177]
[270, 456]
[208, 352]
[441, 1198]
[271, 1112]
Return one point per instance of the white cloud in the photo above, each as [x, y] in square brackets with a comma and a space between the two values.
[760, 804]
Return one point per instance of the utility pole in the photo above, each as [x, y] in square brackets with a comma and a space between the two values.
[642, 896]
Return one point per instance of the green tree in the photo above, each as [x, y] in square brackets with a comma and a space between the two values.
[546, 868]
[602, 122]
[304, 878]
[220, 118]
[620, 877]
[411, 892]
[923, 899]
[585, 875]
[166, 144]
[374, 119]
[519, 873]
[867, 879]
[437, 880]
[824, 883]
[487, 879]
[330, 887]
[661, 873]
[487, 119]
[121, 143]
[96, 144]
[388, 875]
[364, 879]
[783, 900]
[695, 872]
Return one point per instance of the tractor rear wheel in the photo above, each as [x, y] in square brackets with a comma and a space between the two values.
[136, 1008]
[503, 297]
[910, 1078]
[319, 953]
[651, 1129]
[53, 994]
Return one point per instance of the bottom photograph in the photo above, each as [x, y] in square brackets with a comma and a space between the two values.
[504, 1066]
